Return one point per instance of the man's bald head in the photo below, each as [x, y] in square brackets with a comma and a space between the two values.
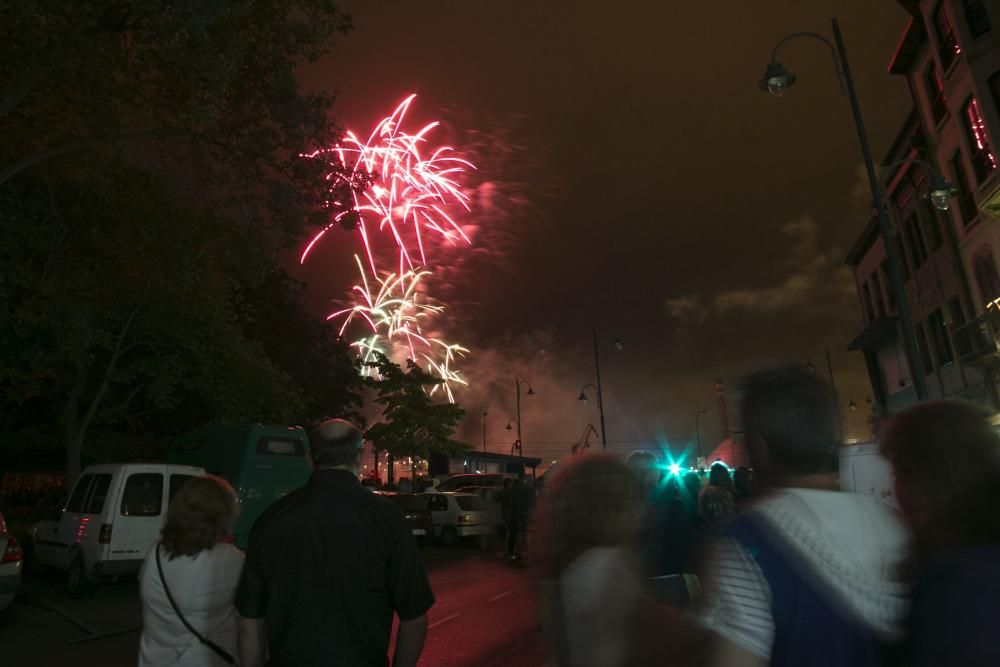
[335, 443]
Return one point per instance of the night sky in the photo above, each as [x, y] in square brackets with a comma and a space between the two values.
[675, 205]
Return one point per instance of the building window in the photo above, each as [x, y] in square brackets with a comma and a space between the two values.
[887, 280]
[976, 17]
[866, 297]
[877, 292]
[966, 201]
[935, 93]
[925, 352]
[918, 251]
[986, 275]
[980, 153]
[939, 336]
[948, 48]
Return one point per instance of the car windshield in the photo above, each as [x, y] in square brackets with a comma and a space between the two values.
[409, 503]
[470, 503]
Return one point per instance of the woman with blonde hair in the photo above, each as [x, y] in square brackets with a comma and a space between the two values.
[593, 598]
[189, 580]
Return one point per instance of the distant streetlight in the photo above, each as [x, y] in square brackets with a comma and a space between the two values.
[484, 431]
[619, 345]
[517, 393]
[775, 81]
[600, 408]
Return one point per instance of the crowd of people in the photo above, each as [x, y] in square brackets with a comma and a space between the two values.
[774, 566]
[802, 574]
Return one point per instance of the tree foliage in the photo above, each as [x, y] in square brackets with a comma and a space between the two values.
[149, 177]
[414, 423]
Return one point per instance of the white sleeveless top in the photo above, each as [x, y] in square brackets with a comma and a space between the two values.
[203, 586]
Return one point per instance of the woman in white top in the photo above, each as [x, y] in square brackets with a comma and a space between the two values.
[594, 601]
[201, 572]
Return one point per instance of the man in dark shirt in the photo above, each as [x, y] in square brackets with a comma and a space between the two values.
[326, 568]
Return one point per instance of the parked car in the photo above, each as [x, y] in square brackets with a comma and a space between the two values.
[491, 499]
[11, 562]
[456, 482]
[112, 518]
[414, 509]
[458, 515]
[263, 463]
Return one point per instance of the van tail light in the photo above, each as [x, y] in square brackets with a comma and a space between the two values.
[105, 537]
[12, 554]
[464, 518]
[229, 539]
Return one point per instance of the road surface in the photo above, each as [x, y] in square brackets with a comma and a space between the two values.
[486, 614]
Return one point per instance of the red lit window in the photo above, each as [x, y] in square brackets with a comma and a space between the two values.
[982, 157]
[948, 47]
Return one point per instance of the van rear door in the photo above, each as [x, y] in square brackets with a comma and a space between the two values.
[139, 514]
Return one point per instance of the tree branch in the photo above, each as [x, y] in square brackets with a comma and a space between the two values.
[121, 406]
[68, 149]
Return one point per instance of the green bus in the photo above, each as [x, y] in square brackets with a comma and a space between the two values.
[263, 463]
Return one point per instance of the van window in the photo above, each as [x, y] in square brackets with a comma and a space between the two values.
[76, 501]
[143, 494]
[470, 503]
[280, 447]
[176, 482]
[98, 494]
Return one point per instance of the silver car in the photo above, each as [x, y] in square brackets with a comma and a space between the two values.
[11, 563]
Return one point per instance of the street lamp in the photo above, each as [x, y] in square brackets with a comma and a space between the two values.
[697, 428]
[600, 408]
[517, 443]
[939, 191]
[776, 80]
[517, 393]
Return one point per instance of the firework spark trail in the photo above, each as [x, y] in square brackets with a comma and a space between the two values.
[404, 196]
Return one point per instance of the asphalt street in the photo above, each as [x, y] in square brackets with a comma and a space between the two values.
[486, 614]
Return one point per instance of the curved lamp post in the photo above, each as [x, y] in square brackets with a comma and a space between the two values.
[776, 80]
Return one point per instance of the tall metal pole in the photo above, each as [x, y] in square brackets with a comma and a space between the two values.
[891, 248]
[484, 431]
[517, 393]
[836, 398]
[697, 429]
[600, 395]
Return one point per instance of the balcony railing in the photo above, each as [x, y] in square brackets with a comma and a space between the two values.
[977, 340]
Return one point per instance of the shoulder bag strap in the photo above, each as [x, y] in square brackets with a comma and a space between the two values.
[218, 650]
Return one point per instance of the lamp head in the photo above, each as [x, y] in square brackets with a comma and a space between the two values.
[776, 79]
[582, 397]
[940, 192]
[531, 392]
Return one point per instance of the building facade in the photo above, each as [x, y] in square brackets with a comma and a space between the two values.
[950, 54]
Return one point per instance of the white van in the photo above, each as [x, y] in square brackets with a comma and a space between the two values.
[110, 521]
